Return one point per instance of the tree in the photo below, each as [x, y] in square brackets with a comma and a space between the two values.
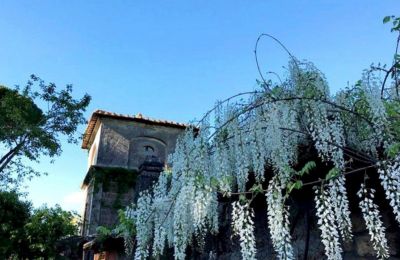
[31, 234]
[29, 132]
[288, 137]
[44, 228]
[14, 213]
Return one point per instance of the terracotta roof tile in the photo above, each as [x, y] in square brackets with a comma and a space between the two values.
[136, 118]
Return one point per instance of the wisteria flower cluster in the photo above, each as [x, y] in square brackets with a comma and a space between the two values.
[278, 219]
[243, 226]
[327, 224]
[373, 221]
[389, 173]
[260, 141]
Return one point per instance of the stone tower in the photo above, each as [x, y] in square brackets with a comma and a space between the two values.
[126, 154]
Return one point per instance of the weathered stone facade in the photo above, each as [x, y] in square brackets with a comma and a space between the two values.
[120, 145]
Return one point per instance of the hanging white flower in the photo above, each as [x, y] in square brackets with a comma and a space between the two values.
[389, 174]
[373, 221]
[144, 225]
[340, 204]
[243, 227]
[327, 224]
[278, 219]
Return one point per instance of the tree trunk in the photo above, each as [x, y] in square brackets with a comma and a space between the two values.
[6, 159]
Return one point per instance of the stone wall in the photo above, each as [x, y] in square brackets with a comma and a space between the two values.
[122, 144]
[127, 144]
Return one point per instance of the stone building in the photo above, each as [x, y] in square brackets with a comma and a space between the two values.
[125, 154]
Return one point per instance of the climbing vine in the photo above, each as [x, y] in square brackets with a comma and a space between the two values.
[105, 177]
[262, 135]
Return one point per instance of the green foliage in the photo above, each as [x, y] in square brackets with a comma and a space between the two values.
[125, 228]
[395, 22]
[18, 113]
[242, 199]
[14, 213]
[257, 188]
[294, 185]
[393, 150]
[31, 235]
[127, 222]
[393, 112]
[104, 177]
[29, 131]
[333, 173]
[103, 233]
[298, 184]
[307, 168]
[45, 227]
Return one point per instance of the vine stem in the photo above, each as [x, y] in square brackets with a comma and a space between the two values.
[309, 183]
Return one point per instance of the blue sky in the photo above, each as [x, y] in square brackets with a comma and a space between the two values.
[174, 59]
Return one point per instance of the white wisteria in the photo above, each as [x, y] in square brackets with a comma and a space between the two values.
[340, 204]
[243, 227]
[373, 221]
[389, 173]
[252, 146]
[327, 224]
[278, 219]
[144, 225]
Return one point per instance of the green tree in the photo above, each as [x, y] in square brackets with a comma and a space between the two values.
[27, 234]
[44, 228]
[33, 119]
[14, 213]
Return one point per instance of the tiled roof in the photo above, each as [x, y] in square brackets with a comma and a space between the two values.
[135, 118]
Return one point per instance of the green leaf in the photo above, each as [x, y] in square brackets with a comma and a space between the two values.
[214, 182]
[257, 188]
[307, 168]
[242, 199]
[393, 150]
[386, 19]
[295, 185]
[289, 170]
[333, 173]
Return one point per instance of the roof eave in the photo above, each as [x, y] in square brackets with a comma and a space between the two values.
[104, 114]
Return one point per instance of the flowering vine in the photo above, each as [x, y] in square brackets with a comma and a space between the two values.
[389, 173]
[261, 141]
[144, 225]
[327, 224]
[373, 221]
[243, 226]
[278, 219]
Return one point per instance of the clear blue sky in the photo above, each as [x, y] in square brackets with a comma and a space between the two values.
[174, 59]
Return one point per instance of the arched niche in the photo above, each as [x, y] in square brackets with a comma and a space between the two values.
[141, 148]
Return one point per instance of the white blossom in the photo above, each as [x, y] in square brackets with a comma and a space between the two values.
[243, 227]
[144, 225]
[278, 219]
[373, 222]
[340, 204]
[327, 224]
[389, 174]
